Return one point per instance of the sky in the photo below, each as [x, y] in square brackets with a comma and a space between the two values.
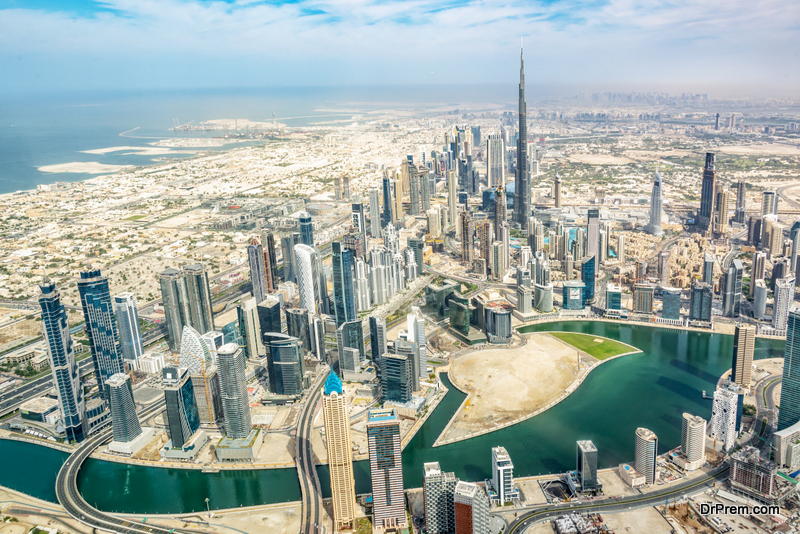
[59, 45]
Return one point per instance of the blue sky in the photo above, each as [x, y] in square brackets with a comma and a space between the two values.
[152, 44]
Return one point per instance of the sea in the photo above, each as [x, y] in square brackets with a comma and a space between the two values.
[44, 129]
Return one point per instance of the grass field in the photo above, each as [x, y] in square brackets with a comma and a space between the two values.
[601, 349]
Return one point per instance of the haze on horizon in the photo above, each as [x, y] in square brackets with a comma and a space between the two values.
[77, 45]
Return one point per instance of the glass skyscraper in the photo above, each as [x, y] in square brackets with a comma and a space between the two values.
[789, 413]
[344, 303]
[66, 377]
[183, 418]
[306, 229]
[101, 327]
[130, 338]
[285, 364]
[588, 271]
[124, 421]
[233, 391]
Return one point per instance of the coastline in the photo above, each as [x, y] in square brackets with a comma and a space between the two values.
[567, 392]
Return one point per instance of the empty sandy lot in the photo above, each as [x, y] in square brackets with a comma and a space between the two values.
[507, 384]
[600, 159]
[761, 150]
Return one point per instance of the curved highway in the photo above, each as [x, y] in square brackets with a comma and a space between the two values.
[541, 512]
[70, 498]
[311, 518]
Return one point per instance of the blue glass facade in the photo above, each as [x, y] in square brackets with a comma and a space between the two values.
[101, 327]
[344, 303]
[588, 273]
[306, 229]
[789, 413]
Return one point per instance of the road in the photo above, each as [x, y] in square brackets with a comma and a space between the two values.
[311, 518]
[70, 498]
[544, 511]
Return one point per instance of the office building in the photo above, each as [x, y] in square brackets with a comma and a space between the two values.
[287, 252]
[101, 327]
[740, 214]
[663, 267]
[789, 414]
[732, 289]
[374, 213]
[306, 270]
[769, 203]
[270, 260]
[198, 295]
[656, 205]
[306, 229]
[250, 329]
[643, 298]
[646, 454]
[588, 275]
[340, 456]
[396, 377]
[130, 338]
[344, 303]
[700, 302]
[359, 217]
[708, 269]
[467, 237]
[784, 295]
[586, 465]
[195, 354]
[557, 191]
[671, 303]
[495, 160]
[438, 489]
[386, 471]
[573, 295]
[693, 441]
[207, 394]
[269, 314]
[182, 418]
[613, 298]
[593, 232]
[233, 391]
[723, 416]
[721, 225]
[503, 476]
[744, 341]
[759, 299]
[377, 337]
[63, 367]
[351, 335]
[708, 188]
[757, 270]
[124, 421]
[258, 275]
[471, 509]
[285, 364]
[522, 185]
[416, 333]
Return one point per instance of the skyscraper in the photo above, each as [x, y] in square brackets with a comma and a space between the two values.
[258, 276]
[414, 193]
[732, 289]
[721, 226]
[784, 295]
[269, 315]
[522, 191]
[706, 215]
[700, 303]
[101, 328]
[270, 259]
[351, 335]
[198, 295]
[471, 509]
[386, 470]
[654, 225]
[306, 229]
[438, 490]
[195, 354]
[740, 215]
[374, 213]
[287, 251]
[306, 266]
[646, 454]
[789, 413]
[389, 215]
[344, 303]
[377, 336]
[495, 160]
[503, 475]
[396, 377]
[416, 333]
[175, 302]
[744, 340]
[693, 440]
[586, 464]
[723, 415]
[285, 364]
[593, 232]
[124, 421]
[130, 339]
[588, 275]
[250, 329]
[467, 237]
[452, 190]
[233, 391]
[66, 378]
[182, 419]
[757, 270]
[557, 191]
[708, 269]
[340, 456]
[769, 203]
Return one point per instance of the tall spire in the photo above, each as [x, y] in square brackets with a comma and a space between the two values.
[522, 187]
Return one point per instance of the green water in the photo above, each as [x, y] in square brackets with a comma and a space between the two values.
[651, 389]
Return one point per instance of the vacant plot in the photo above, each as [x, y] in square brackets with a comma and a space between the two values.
[599, 347]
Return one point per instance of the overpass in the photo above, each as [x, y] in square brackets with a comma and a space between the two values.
[617, 504]
[311, 517]
[71, 500]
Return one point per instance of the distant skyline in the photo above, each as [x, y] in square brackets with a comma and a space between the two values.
[50, 45]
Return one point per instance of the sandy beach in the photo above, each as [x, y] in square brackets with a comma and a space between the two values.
[83, 167]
